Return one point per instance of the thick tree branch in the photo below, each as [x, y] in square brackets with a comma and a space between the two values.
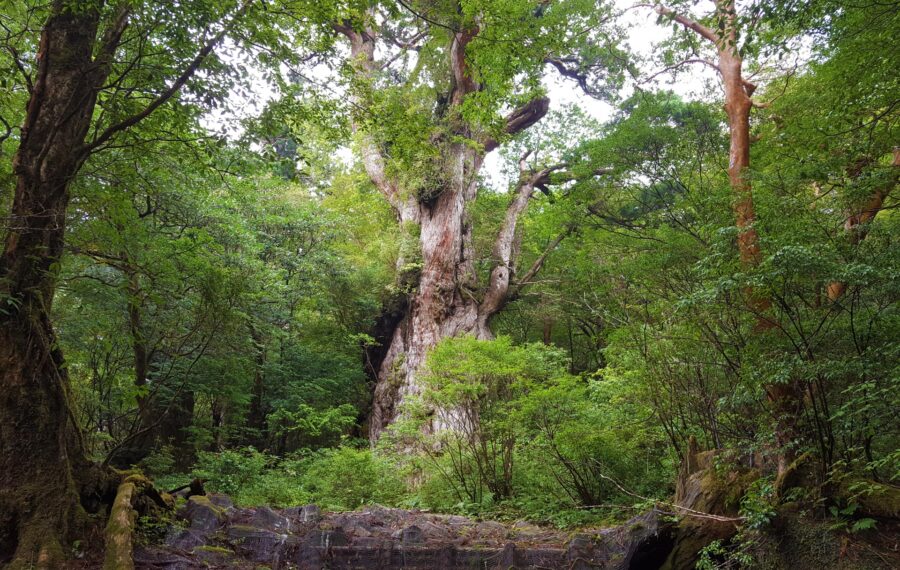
[506, 245]
[113, 35]
[702, 30]
[462, 82]
[412, 44]
[521, 119]
[362, 52]
[749, 86]
[856, 224]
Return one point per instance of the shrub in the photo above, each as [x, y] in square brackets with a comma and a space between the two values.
[231, 471]
[346, 478]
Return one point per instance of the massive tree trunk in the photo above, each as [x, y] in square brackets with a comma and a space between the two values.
[447, 300]
[442, 303]
[44, 472]
[437, 272]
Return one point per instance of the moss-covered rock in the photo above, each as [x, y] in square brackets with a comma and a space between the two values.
[702, 489]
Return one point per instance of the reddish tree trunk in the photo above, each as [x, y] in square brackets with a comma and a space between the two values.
[785, 399]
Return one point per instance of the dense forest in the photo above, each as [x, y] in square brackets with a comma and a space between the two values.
[561, 262]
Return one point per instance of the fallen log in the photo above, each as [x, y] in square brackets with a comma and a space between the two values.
[120, 529]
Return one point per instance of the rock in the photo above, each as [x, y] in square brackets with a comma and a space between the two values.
[305, 514]
[579, 551]
[156, 558]
[185, 540]
[220, 500]
[327, 538]
[216, 556]
[525, 526]
[491, 530]
[434, 532]
[204, 516]
[508, 558]
[412, 535]
[310, 513]
[257, 544]
[356, 524]
[393, 538]
[373, 543]
[266, 518]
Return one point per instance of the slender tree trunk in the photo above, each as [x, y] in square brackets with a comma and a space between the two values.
[138, 447]
[138, 342]
[737, 107]
[256, 417]
[45, 475]
[218, 410]
[174, 431]
[785, 399]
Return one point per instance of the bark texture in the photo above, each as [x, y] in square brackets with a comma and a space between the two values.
[119, 530]
[46, 480]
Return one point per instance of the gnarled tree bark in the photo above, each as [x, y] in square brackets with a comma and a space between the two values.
[43, 467]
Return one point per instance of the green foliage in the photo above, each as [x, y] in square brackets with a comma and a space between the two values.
[223, 273]
[230, 471]
[346, 478]
[522, 437]
[339, 479]
[758, 505]
[160, 462]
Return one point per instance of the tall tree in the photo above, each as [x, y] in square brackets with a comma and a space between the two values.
[89, 52]
[472, 61]
[725, 35]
